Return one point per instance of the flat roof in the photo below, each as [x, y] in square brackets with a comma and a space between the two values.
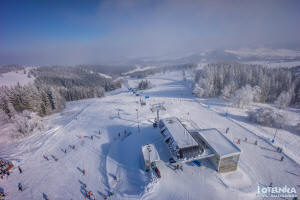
[179, 133]
[150, 153]
[218, 142]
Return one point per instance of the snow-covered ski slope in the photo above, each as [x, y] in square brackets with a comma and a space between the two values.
[109, 155]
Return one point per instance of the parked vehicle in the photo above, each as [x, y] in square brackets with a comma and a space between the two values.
[197, 163]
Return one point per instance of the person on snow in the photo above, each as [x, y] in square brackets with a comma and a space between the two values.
[92, 137]
[227, 129]
[111, 194]
[83, 171]
[20, 170]
[255, 143]
[116, 178]
[90, 195]
[45, 196]
[282, 157]
[46, 157]
[20, 187]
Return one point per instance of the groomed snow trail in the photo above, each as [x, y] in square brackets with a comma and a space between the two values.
[108, 155]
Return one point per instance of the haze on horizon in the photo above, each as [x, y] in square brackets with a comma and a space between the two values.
[49, 32]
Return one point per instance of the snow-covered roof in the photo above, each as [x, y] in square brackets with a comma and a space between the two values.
[179, 133]
[220, 144]
[150, 153]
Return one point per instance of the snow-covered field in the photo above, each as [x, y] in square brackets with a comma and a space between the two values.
[108, 155]
[105, 75]
[15, 77]
[139, 69]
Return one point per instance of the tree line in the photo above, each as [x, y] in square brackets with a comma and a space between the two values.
[22, 106]
[246, 82]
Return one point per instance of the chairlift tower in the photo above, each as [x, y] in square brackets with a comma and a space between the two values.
[137, 116]
[157, 107]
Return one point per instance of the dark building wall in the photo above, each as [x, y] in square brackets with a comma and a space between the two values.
[189, 152]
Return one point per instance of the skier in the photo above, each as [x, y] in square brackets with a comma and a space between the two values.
[239, 141]
[110, 194]
[46, 157]
[278, 149]
[89, 195]
[99, 132]
[119, 134]
[227, 129]
[83, 171]
[20, 170]
[45, 196]
[271, 184]
[56, 159]
[20, 187]
[116, 178]
[255, 143]
[246, 139]
[92, 137]
[282, 157]
[65, 150]
[73, 146]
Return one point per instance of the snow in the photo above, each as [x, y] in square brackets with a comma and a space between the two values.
[218, 142]
[138, 69]
[105, 75]
[150, 153]
[180, 135]
[15, 77]
[109, 155]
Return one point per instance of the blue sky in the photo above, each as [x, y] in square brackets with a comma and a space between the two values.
[50, 32]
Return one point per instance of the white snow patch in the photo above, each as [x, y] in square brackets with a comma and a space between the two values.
[15, 77]
[105, 75]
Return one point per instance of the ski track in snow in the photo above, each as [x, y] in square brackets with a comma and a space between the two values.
[107, 155]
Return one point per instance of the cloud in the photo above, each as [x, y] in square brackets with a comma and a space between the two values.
[136, 28]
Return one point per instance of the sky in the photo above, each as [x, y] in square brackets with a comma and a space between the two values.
[61, 32]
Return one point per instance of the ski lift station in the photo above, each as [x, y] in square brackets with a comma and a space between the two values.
[150, 156]
[187, 145]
